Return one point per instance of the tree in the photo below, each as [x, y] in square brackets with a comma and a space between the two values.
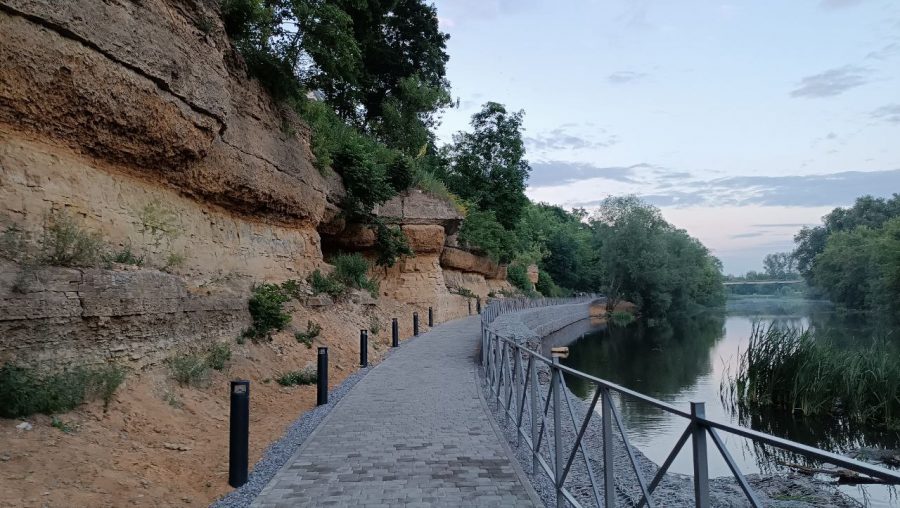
[645, 260]
[487, 165]
[867, 211]
[779, 265]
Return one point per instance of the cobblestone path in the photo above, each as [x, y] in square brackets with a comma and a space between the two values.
[413, 432]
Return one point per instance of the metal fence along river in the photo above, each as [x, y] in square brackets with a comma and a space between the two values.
[511, 373]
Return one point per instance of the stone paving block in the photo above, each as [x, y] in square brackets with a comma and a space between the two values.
[413, 432]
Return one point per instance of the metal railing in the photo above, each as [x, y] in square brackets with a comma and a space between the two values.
[511, 372]
[499, 306]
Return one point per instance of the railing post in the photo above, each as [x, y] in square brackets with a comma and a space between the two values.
[701, 467]
[609, 476]
[516, 383]
[556, 388]
[535, 412]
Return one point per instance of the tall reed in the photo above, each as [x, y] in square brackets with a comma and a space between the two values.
[787, 368]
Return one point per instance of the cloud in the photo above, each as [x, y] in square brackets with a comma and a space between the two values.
[625, 77]
[888, 113]
[884, 53]
[561, 139]
[560, 172]
[749, 235]
[832, 82]
[578, 184]
[790, 225]
[836, 4]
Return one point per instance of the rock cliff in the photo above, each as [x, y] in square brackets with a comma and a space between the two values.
[138, 119]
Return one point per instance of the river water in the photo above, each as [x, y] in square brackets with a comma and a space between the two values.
[690, 361]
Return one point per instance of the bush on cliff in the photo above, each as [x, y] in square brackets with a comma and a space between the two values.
[266, 307]
[25, 391]
[352, 270]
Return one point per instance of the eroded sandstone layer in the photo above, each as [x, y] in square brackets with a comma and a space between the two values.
[138, 120]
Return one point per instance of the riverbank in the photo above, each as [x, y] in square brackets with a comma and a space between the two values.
[675, 489]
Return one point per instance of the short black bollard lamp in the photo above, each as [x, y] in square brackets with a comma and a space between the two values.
[238, 438]
[322, 377]
[395, 333]
[416, 324]
[363, 348]
[430, 317]
[470, 306]
[478, 305]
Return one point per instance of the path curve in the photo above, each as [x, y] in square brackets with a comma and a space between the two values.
[415, 432]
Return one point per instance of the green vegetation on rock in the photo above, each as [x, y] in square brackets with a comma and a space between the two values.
[25, 391]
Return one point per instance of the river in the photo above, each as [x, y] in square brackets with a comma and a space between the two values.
[690, 360]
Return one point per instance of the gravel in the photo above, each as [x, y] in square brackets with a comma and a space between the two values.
[279, 452]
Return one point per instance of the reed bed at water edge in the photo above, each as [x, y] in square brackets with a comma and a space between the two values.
[788, 369]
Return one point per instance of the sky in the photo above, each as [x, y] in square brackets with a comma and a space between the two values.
[742, 121]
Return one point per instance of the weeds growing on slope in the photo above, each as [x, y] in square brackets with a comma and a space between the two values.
[25, 391]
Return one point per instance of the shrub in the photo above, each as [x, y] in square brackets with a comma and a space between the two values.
[125, 256]
[24, 392]
[327, 284]
[465, 292]
[66, 243]
[352, 270]
[481, 231]
[175, 260]
[66, 427]
[374, 325]
[306, 376]
[546, 286]
[391, 243]
[218, 356]
[313, 330]
[517, 275]
[267, 310]
[190, 370]
[401, 173]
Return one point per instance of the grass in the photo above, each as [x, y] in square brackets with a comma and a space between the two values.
[430, 184]
[374, 325]
[126, 256]
[326, 284]
[67, 427]
[621, 318]
[306, 376]
[194, 369]
[25, 391]
[350, 271]
[788, 369]
[313, 330]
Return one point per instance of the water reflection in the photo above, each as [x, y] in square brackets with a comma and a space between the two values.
[688, 360]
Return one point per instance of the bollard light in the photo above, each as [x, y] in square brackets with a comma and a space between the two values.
[395, 333]
[416, 324]
[430, 317]
[363, 348]
[239, 432]
[322, 377]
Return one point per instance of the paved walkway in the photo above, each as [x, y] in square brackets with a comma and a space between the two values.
[413, 432]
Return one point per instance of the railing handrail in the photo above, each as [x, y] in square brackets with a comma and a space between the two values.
[500, 368]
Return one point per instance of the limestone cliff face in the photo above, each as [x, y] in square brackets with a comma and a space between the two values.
[112, 111]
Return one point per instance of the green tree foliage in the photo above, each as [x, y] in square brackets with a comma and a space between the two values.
[517, 275]
[867, 211]
[780, 266]
[560, 242]
[482, 232]
[860, 268]
[488, 166]
[645, 260]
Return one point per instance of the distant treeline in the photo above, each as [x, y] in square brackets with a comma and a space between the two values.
[853, 258]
